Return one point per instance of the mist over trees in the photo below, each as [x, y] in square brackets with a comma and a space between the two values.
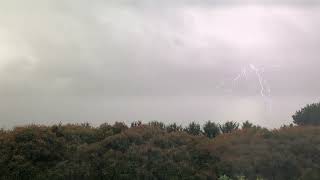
[156, 150]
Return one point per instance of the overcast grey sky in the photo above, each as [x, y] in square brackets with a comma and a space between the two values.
[174, 61]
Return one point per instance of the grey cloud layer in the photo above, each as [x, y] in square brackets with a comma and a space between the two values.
[54, 49]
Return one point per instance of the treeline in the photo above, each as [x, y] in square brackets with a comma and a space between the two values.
[209, 129]
[158, 151]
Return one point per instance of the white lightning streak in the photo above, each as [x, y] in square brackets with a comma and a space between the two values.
[265, 90]
[259, 78]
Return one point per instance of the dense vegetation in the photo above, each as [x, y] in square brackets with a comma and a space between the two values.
[308, 115]
[159, 151]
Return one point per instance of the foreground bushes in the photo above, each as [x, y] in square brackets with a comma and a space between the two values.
[157, 151]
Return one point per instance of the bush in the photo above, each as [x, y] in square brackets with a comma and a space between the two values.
[119, 127]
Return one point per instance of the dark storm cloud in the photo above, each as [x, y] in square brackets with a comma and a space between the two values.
[106, 59]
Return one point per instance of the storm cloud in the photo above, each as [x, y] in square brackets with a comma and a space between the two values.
[106, 61]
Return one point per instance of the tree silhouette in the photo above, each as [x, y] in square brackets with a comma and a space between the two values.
[211, 129]
[247, 125]
[118, 127]
[157, 124]
[174, 128]
[229, 126]
[193, 129]
[308, 115]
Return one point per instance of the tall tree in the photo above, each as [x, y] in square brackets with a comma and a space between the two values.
[308, 115]
[211, 129]
[194, 129]
[229, 126]
[247, 125]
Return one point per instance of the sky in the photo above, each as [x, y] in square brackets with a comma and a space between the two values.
[76, 61]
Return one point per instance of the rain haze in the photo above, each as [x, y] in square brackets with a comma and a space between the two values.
[79, 61]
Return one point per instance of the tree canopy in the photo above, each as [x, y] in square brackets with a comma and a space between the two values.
[158, 151]
[229, 127]
[211, 129]
[308, 115]
[155, 150]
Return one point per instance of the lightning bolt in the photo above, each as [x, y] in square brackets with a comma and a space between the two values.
[265, 90]
[257, 71]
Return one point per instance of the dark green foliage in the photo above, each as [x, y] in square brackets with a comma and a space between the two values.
[311, 174]
[194, 129]
[118, 127]
[211, 129]
[155, 151]
[280, 154]
[174, 128]
[309, 115]
[229, 126]
[287, 126]
[247, 125]
[104, 130]
[157, 124]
